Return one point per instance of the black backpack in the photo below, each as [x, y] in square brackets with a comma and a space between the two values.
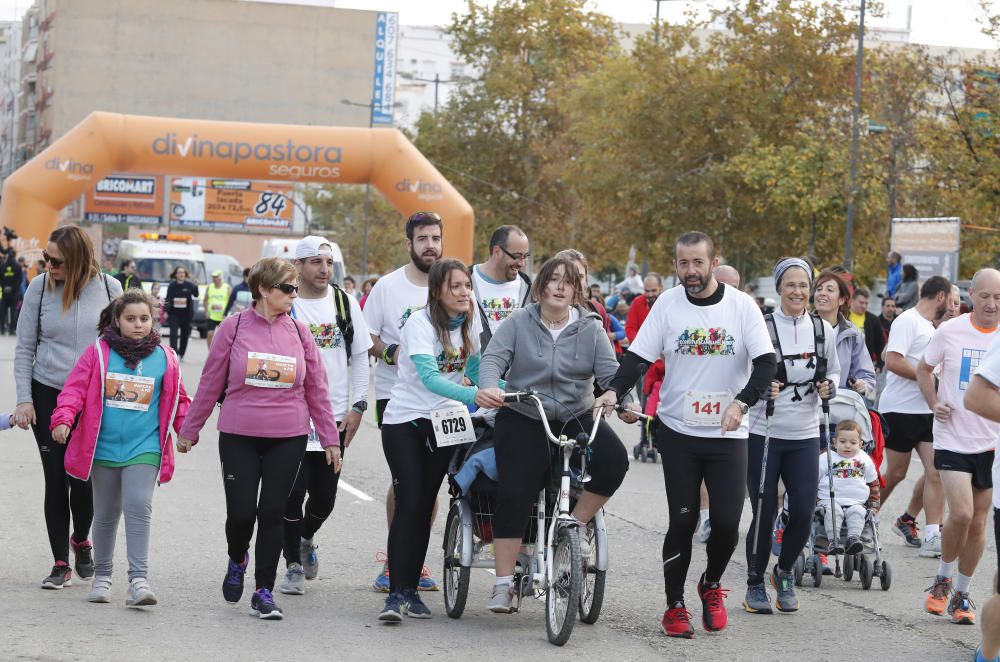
[817, 360]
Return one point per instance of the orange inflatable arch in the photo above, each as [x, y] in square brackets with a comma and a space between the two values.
[106, 143]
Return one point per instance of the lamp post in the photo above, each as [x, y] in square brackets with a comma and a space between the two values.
[855, 137]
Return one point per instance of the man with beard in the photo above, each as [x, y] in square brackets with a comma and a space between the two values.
[652, 285]
[910, 419]
[703, 430]
[500, 284]
[390, 303]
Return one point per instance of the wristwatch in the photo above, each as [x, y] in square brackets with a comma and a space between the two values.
[360, 407]
[744, 407]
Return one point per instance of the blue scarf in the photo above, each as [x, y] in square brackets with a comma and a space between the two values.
[456, 322]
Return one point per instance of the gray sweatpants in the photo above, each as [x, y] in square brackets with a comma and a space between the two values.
[128, 489]
[853, 515]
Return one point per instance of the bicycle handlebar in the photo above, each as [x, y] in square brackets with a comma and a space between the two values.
[528, 395]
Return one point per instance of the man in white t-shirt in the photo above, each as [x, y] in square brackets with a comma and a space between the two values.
[910, 419]
[983, 398]
[718, 362]
[500, 284]
[341, 334]
[964, 444]
[390, 303]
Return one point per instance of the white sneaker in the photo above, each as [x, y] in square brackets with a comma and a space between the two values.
[503, 595]
[100, 590]
[931, 549]
[704, 531]
[294, 581]
[139, 594]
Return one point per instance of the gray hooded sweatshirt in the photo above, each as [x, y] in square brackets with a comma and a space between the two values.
[65, 333]
[522, 351]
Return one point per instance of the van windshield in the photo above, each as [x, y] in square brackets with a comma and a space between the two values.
[158, 270]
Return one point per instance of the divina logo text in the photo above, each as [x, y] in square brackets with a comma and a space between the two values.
[72, 169]
[284, 157]
[423, 189]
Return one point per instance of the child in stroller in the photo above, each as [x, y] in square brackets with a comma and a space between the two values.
[856, 486]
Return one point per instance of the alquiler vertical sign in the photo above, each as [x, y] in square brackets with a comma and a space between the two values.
[386, 46]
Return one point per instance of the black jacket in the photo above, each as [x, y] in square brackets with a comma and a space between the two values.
[186, 290]
[874, 338]
[128, 283]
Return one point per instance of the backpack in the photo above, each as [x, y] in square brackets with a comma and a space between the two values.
[818, 360]
[487, 335]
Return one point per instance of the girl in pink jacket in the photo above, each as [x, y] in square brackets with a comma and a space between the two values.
[127, 390]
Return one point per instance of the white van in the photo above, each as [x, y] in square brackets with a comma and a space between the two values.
[157, 255]
[286, 248]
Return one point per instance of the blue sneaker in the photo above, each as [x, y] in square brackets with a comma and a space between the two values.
[382, 584]
[262, 606]
[426, 582]
[232, 585]
[415, 607]
[980, 658]
[393, 609]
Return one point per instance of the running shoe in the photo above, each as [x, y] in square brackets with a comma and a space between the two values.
[83, 558]
[503, 596]
[931, 549]
[713, 606]
[232, 585]
[854, 545]
[778, 535]
[294, 582]
[704, 531]
[415, 607]
[676, 622]
[310, 562]
[756, 600]
[139, 594]
[393, 609]
[100, 590]
[825, 563]
[784, 586]
[961, 609]
[262, 606]
[937, 600]
[980, 658]
[426, 582]
[382, 584]
[907, 530]
[60, 576]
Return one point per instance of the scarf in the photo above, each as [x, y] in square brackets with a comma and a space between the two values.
[132, 351]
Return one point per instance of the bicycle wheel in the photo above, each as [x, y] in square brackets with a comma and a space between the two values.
[592, 585]
[562, 600]
[455, 577]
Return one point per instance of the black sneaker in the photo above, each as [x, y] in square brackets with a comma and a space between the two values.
[393, 609]
[232, 585]
[83, 553]
[784, 586]
[262, 606]
[60, 576]
[854, 545]
[415, 607]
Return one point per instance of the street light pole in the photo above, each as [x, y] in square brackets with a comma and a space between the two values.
[855, 138]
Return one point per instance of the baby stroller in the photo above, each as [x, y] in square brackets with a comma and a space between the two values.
[849, 405]
[649, 400]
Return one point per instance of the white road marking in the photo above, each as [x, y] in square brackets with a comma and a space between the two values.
[355, 491]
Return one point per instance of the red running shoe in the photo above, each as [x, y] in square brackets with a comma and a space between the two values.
[677, 622]
[713, 606]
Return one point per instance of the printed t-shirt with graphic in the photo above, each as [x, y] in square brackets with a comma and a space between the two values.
[391, 301]
[989, 370]
[851, 476]
[708, 352]
[320, 315]
[958, 347]
[409, 398]
[496, 300]
[909, 336]
[130, 423]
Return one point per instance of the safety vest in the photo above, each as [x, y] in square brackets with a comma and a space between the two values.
[217, 299]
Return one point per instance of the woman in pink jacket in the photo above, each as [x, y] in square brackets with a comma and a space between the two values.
[267, 367]
[128, 392]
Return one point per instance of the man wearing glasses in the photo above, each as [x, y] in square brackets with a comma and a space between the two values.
[500, 284]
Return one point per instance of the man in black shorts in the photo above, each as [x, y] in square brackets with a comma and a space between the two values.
[910, 419]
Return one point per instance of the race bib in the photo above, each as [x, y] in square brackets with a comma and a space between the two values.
[180, 302]
[270, 370]
[452, 426]
[216, 307]
[705, 409]
[128, 391]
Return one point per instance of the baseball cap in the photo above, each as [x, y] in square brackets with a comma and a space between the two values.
[217, 272]
[312, 246]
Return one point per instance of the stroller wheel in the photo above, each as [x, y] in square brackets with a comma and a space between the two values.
[866, 572]
[817, 570]
[885, 577]
[637, 452]
[799, 569]
[849, 567]
[652, 455]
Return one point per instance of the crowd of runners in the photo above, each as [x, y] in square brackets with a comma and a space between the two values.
[740, 400]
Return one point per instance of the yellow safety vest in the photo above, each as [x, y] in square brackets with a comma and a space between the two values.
[218, 297]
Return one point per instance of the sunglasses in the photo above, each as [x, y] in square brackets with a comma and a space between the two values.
[51, 260]
[517, 257]
[287, 288]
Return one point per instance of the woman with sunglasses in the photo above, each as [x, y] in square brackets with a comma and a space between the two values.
[268, 370]
[179, 304]
[58, 322]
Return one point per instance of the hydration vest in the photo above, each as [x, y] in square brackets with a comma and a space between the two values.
[817, 360]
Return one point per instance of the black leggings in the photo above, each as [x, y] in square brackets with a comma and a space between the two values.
[320, 481]
[65, 496]
[417, 468]
[687, 460]
[180, 331]
[797, 463]
[525, 462]
[249, 463]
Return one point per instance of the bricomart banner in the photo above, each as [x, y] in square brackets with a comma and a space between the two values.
[133, 199]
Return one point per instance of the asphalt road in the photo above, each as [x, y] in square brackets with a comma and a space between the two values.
[336, 617]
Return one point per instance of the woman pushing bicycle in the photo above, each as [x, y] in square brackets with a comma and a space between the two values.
[557, 348]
